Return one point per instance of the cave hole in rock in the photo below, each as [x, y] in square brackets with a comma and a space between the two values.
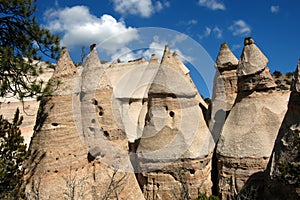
[172, 114]
[54, 124]
[100, 111]
[91, 129]
[166, 107]
[93, 121]
[106, 134]
[94, 102]
[192, 171]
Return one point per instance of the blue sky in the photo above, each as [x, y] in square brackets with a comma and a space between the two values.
[274, 25]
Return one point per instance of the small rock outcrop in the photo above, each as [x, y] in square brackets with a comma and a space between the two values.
[175, 150]
[249, 133]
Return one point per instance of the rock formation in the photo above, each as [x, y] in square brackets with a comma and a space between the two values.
[64, 160]
[175, 150]
[224, 90]
[249, 133]
[284, 165]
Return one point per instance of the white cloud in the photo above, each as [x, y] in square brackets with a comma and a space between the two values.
[143, 8]
[274, 9]
[240, 28]
[218, 32]
[206, 33]
[80, 28]
[192, 22]
[156, 47]
[235, 47]
[212, 4]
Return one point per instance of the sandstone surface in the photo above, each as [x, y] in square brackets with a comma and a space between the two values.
[175, 150]
[64, 161]
[283, 169]
[224, 90]
[249, 133]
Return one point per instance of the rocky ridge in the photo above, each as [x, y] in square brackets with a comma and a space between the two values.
[129, 131]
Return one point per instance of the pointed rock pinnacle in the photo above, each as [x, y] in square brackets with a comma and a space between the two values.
[65, 66]
[252, 59]
[226, 58]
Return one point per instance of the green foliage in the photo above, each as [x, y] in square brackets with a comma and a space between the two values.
[13, 153]
[205, 197]
[277, 74]
[289, 74]
[21, 37]
[290, 172]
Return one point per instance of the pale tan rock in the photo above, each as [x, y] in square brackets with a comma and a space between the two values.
[28, 108]
[284, 184]
[250, 130]
[224, 90]
[226, 59]
[252, 59]
[175, 137]
[61, 158]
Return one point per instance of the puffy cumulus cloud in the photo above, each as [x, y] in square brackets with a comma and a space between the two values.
[80, 28]
[274, 9]
[240, 28]
[143, 8]
[212, 4]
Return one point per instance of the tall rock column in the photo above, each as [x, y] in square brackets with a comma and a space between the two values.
[175, 150]
[250, 130]
[224, 90]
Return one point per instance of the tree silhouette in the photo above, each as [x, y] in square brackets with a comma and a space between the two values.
[23, 43]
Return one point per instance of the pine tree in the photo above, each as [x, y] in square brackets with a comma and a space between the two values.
[22, 43]
[13, 153]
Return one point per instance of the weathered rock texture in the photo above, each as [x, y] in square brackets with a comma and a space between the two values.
[249, 133]
[175, 150]
[64, 162]
[284, 165]
[224, 90]
[88, 131]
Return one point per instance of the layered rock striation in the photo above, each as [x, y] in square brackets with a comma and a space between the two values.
[64, 159]
[175, 150]
[249, 133]
[224, 90]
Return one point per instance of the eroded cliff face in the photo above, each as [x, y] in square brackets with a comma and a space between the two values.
[224, 90]
[175, 150]
[283, 169]
[249, 133]
[92, 133]
[65, 161]
[136, 130]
